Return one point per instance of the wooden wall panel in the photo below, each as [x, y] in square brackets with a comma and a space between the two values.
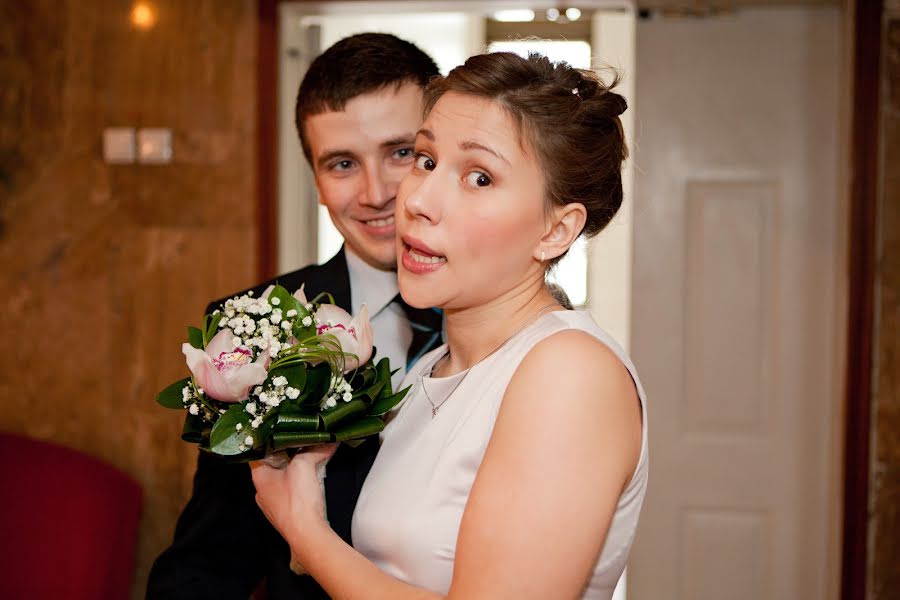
[102, 266]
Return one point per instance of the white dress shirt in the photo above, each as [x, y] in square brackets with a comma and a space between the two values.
[390, 327]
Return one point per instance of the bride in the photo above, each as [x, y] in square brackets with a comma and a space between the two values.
[517, 465]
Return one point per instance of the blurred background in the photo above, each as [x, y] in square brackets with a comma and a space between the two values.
[149, 164]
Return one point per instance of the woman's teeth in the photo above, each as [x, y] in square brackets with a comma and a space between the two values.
[381, 222]
[429, 260]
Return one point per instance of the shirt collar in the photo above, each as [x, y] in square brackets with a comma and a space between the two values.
[373, 286]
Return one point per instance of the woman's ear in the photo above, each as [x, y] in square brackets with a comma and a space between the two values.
[563, 228]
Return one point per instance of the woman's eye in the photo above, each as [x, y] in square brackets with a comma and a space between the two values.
[424, 162]
[478, 179]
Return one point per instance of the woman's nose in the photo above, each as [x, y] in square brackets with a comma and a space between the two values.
[422, 200]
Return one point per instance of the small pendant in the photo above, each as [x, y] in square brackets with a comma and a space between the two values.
[433, 412]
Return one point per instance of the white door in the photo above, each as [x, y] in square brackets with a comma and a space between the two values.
[736, 303]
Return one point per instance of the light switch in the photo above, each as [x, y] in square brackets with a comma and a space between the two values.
[154, 145]
[118, 145]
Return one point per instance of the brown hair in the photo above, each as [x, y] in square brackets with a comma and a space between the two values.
[567, 115]
[357, 65]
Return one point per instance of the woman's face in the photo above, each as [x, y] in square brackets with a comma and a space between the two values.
[470, 214]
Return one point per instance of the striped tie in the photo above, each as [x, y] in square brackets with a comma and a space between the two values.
[426, 326]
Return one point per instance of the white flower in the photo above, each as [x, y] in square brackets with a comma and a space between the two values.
[292, 313]
[186, 392]
[264, 398]
[251, 408]
[194, 409]
[275, 301]
[286, 325]
[248, 440]
[292, 393]
[280, 380]
[236, 342]
[307, 321]
[200, 391]
[256, 422]
[257, 390]
[331, 402]
[238, 427]
[347, 396]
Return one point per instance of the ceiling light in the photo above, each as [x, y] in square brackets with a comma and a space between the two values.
[573, 14]
[552, 14]
[522, 15]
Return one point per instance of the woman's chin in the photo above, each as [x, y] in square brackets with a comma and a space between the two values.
[419, 295]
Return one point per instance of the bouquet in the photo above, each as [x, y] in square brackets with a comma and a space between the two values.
[276, 373]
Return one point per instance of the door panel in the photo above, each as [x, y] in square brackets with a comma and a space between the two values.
[736, 242]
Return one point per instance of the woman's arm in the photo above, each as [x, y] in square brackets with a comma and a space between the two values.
[566, 441]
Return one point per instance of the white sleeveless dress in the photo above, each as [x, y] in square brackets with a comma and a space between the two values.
[409, 510]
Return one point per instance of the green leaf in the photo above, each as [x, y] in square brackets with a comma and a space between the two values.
[342, 412]
[171, 397]
[286, 302]
[225, 439]
[364, 377]
[212, 328]
[359, 428]
[318, 380]
[384, 405]
[195, 430]
[282, 440]
[195, 338]
[383, 370]
[295, 421]
[295, 374]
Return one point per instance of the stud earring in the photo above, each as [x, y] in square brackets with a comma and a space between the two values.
[542, 256]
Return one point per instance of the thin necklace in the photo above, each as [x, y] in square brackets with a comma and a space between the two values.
[435, 407]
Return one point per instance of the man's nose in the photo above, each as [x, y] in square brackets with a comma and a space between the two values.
[378, 191]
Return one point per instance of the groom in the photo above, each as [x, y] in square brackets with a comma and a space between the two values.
[358, 109]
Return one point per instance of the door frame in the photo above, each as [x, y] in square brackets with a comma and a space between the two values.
[864, 175]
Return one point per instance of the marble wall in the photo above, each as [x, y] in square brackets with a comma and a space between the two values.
[102, 266]
[884, 562]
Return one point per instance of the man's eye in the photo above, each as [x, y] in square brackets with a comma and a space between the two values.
[403, 153]
[424, 162]
[342, 165]
[478, 179]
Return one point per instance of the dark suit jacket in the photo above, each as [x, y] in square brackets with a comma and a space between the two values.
[223, 545]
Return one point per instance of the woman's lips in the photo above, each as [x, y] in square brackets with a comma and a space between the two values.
[419, 258]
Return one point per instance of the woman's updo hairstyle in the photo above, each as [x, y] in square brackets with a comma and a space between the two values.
[567, 115]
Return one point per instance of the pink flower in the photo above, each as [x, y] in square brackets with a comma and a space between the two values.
[224, 372]
[354, 334]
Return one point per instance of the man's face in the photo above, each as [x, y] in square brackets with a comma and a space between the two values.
[359, 155]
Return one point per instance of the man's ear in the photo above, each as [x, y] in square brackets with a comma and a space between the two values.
[563, 228]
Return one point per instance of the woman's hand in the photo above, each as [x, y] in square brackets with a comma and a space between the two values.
[291, 498]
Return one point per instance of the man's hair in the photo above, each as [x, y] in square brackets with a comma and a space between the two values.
[357, 65]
